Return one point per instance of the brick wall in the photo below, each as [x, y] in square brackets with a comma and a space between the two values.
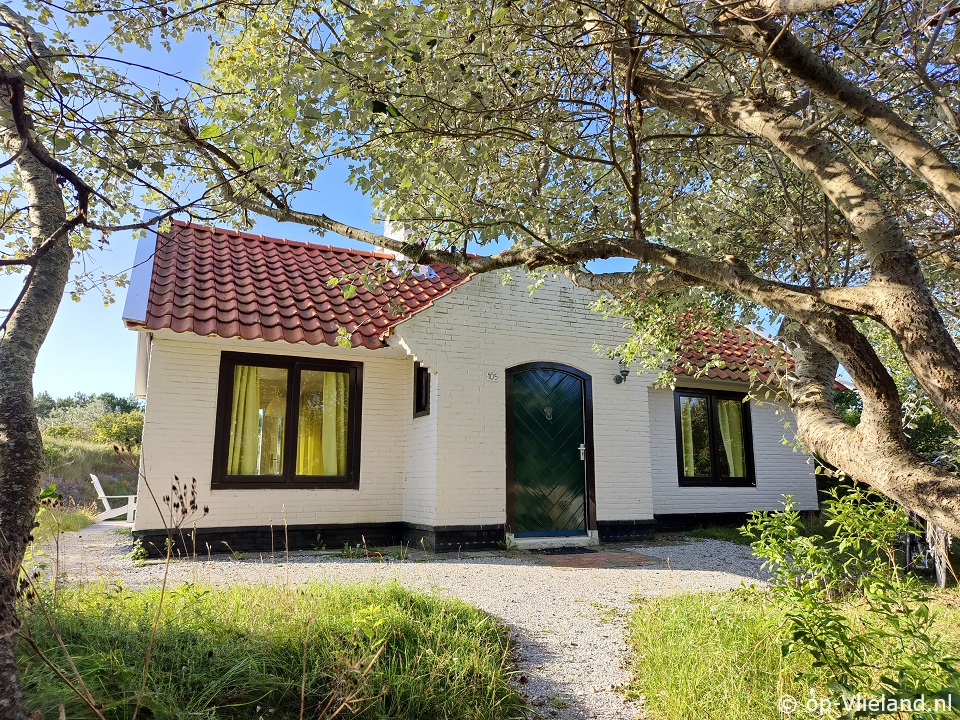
[420, 469]
[178, 436]
[781, 469]
[486, 327]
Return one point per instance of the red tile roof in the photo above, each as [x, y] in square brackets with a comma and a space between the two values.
[211, 281]
[739, 350]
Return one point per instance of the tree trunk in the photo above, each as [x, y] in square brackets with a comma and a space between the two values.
[875, 451]
[21, 449]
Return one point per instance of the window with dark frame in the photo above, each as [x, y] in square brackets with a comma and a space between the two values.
[714, 438]
[287, 422]
[421, 390]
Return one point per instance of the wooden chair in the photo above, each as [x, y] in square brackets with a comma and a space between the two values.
[113, 513]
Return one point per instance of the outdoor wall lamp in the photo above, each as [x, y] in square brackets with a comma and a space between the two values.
[623, 374]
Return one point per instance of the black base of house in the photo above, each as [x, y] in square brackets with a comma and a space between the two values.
[693, 521]
[259, 539]
[454, 538]
[620, 530]
[443, 538]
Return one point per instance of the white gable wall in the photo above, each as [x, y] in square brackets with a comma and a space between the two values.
[179, 427]
[420, 470]
[485, 327]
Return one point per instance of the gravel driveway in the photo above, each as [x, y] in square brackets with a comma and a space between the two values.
[567, 612]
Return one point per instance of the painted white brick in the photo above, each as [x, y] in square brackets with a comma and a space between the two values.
[781, 469]
[449, 467]
[178, 437]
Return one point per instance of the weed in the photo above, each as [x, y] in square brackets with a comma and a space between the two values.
[235, 554]
[722, 532]
[508, 545]
[352, 552]
[402, 553]
[139, 554]
[605, 614]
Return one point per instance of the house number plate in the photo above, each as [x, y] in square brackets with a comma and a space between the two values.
[493, 376]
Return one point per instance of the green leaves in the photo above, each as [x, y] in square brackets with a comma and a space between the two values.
[378, 106]
[863, 621]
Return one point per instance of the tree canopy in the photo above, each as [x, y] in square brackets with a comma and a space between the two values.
[790, 162]
[794, 163]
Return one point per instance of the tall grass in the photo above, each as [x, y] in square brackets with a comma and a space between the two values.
[718, 655]
[248, 652]
[710, 655]
[69, 462]
[70, 517]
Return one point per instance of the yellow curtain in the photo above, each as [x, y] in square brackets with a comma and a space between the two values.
[322, 435]
[244, 422]
[731, 432]
[686, 434]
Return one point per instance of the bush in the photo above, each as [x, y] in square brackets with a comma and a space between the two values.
[246, 652]
[124, 429]
[866, 624]
[79, 417]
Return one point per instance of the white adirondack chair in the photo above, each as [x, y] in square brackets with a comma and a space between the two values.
[113, 513]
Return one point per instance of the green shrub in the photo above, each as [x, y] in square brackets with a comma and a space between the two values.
[866, 624]
[246, 652]
[62, 431]
[124, 429]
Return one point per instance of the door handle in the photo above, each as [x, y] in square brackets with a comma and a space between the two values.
[583, 451]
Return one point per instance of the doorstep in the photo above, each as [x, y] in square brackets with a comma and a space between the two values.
[549, 542]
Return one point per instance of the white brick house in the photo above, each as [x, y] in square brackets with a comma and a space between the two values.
[478, 412]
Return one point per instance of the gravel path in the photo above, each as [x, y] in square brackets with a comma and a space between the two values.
[569, 622]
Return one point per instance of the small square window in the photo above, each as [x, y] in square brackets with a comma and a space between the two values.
[421, 390]
[714, 438]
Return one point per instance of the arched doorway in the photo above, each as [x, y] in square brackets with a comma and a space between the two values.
[550, 484]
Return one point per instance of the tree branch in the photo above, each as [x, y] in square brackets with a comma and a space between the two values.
[863, 109]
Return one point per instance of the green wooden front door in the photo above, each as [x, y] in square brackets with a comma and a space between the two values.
[549, 470]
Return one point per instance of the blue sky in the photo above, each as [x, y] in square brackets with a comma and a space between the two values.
[88, 349]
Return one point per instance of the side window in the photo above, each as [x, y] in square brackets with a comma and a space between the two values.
[421, 390]
[714, 438]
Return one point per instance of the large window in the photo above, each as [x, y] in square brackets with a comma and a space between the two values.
[714, 438]
[287, 422]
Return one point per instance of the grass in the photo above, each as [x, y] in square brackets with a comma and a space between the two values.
[246, 652]
[718, 655]
[812, 523]
[721, 532]
[711, 655]
[65, 518]
[69, 463]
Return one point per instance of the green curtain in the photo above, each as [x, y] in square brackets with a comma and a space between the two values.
[730, 415]
[686, 432]
[322, 434]
[244, 422]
